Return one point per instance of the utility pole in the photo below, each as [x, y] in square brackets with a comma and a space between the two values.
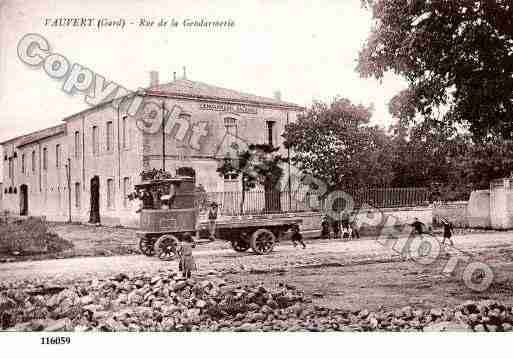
[163, 140]
[68, 175]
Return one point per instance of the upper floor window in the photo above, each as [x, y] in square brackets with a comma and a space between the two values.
[45, 159]
[270, 132]
[109, 135]
[34, 161]
[124, 132]
[96, 144]
[23, 163]
[57, 156]
[10, 167]
[230, 125]
[77, 144]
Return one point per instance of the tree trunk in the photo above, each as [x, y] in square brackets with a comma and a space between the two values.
[243, 197]
[272, 198]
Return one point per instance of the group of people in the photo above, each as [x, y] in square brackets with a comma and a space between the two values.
[338, 228]
[420, 229]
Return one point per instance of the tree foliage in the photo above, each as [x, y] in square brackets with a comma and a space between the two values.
[258, 164]
[456, 56]
[335, 144]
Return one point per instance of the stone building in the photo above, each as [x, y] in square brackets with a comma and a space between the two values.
[106, 148]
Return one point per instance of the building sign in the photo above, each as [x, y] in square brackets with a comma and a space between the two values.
[206, 106]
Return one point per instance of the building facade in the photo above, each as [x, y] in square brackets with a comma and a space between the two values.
[98, 154]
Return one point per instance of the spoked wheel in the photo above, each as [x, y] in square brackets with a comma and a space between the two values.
[262, 241]
[240, 244]
[165, 247]
[146, 246]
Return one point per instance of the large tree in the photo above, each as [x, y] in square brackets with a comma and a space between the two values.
[335, 144]
[256, 164]
[456, 56]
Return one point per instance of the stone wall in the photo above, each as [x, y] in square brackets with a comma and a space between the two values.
[478, 209]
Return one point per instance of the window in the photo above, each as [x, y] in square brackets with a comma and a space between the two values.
[45, 159]
[270, 132]
[77, 144]
[57, 156]
[33, 161]
[126, 188]
[110, 193]
[231, 126]
[10, 168]
[96, 145]
[109, 135]
[77, 195]
[23, 163]
[124, 133]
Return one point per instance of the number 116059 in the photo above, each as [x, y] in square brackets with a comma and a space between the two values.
[56, 340]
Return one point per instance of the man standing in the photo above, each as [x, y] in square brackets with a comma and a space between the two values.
[418, 226]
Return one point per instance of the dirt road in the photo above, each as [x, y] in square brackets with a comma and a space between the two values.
[340, 274]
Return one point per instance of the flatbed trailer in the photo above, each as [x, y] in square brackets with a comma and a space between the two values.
[259, 234]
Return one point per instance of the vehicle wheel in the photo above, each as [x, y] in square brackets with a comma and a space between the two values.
[240, 244]
[165, 247]
[146, 246]
[262, 241]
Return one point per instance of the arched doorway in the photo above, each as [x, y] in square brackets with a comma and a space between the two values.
[94, 214]
[23, 200]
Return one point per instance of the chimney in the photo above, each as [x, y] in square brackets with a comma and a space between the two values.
[174, 75]
[184, 75]
[277, 95]
[154, 78]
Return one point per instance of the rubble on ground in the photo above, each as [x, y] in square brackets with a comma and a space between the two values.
[165, 302]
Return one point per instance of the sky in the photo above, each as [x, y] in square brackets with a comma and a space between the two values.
[305, 49]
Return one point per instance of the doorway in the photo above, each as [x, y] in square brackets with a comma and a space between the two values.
[94, 214]
[23, 200]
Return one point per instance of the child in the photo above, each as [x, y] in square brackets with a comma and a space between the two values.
[325, 225]
[187, 263]
[447, 230]
[212, 218]
[347, 231]
[296, 236]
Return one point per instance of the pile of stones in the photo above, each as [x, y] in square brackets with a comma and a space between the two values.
[164, 302]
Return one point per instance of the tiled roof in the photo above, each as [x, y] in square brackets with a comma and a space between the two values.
[184, 87]
[24, 140]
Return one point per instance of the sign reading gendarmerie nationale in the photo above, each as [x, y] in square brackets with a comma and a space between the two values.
[207, 106]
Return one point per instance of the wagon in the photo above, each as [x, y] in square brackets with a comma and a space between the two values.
[170, 213]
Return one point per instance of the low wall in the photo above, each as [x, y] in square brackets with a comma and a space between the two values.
[455, 212]
[369, 221]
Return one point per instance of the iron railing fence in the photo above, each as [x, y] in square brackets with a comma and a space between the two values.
[261, 202]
